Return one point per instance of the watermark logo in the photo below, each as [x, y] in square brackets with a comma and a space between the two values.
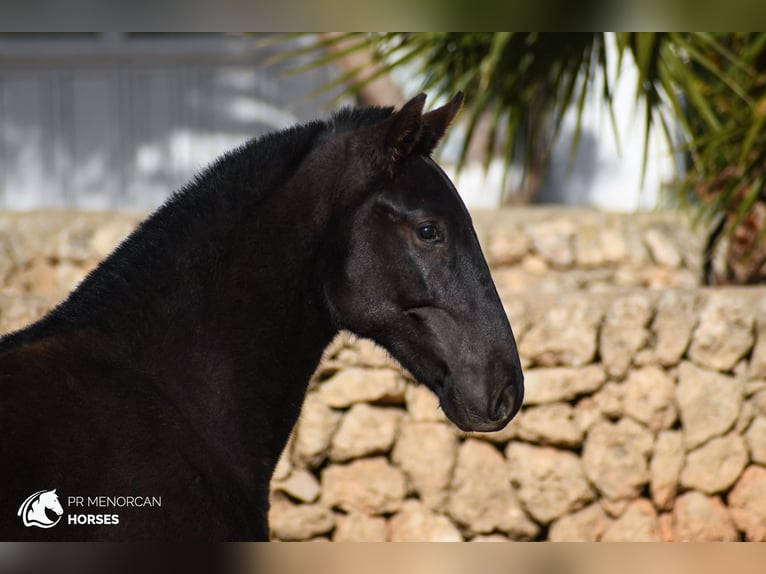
[42, 509]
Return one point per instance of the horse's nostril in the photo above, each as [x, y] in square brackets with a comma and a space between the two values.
[503, 402]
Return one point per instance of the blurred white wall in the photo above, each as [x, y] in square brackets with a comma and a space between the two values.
[115, 120]
[104, 121]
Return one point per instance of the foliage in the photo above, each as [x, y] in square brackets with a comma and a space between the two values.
[728, 151]
[520, 81]
[711, 85]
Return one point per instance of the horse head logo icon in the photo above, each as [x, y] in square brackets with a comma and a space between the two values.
[34, 510]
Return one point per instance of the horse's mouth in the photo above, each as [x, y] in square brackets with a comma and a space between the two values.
[470, 422]
[468, 419]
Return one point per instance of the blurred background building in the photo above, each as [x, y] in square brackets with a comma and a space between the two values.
[121, 120]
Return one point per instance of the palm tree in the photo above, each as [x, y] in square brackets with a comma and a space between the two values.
[519, 86]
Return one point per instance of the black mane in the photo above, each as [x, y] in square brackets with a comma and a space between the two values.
[349, 118]
[216, 198]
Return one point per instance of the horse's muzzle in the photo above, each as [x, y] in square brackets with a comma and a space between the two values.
[486, 411]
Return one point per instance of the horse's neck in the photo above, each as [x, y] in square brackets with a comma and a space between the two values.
[228, 324]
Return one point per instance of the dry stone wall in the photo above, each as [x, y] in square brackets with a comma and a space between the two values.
[644, 416]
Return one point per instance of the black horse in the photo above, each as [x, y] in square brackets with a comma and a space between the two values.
[177, 369]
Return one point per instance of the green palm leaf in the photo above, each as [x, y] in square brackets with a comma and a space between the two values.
[711, 86]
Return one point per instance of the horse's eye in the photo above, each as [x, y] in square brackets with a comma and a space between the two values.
[428, 233]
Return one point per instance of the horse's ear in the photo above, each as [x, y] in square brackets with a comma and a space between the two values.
[402, 131]
[436, 122]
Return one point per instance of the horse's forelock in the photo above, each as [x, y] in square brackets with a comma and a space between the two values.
[350, 118]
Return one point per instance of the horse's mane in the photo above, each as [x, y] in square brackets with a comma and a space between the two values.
[235, 183]
[268, 157]
[349, 118]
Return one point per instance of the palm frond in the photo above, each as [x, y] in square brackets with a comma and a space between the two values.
[710, 86]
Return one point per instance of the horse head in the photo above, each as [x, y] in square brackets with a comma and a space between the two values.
[50, 501]
[412, 276]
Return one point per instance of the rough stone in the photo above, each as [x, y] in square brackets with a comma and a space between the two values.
[708, 402]
[746, 416]
[290, 521]
[649, 397]
[319, 539]
[20, 248]
[758, 400]
[754, 387]
[301, 485]
[724, 334]
[587, 413]
[423, 405]
[416, 523]
[482, 500]
[516, 311]
[552, 424]
[507, 246]
[427, 452]
[365, 430]
[362, 352]
[7, 259]
[665, 468]
[614, 508]
[368, 485]
[507, 433]
[69, 275]
[684, 279]
[661, 248]
[552, 239]
[615, 458]
[740, 369]
[624, 332]
[609, 399]
[284, 464]
[716, 465]
[108, 236]
[665, 527]
[510, 281]
[356, 527]
[756, 440]
[657, 277]
[18, 311]
[314, 431]
[645, 358]
[747, 502]
[758, 356]
[341, 341]
[715, 331]
[561, 384]
[565, 335]
[613, 246]
[637, 524]
[588, 248]
[594, 279]
[549, 482]
[673, 324]
[535, 265]
[73, 242]
[586, 525]
[357, 385]
[638, 254]
[698, 518]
